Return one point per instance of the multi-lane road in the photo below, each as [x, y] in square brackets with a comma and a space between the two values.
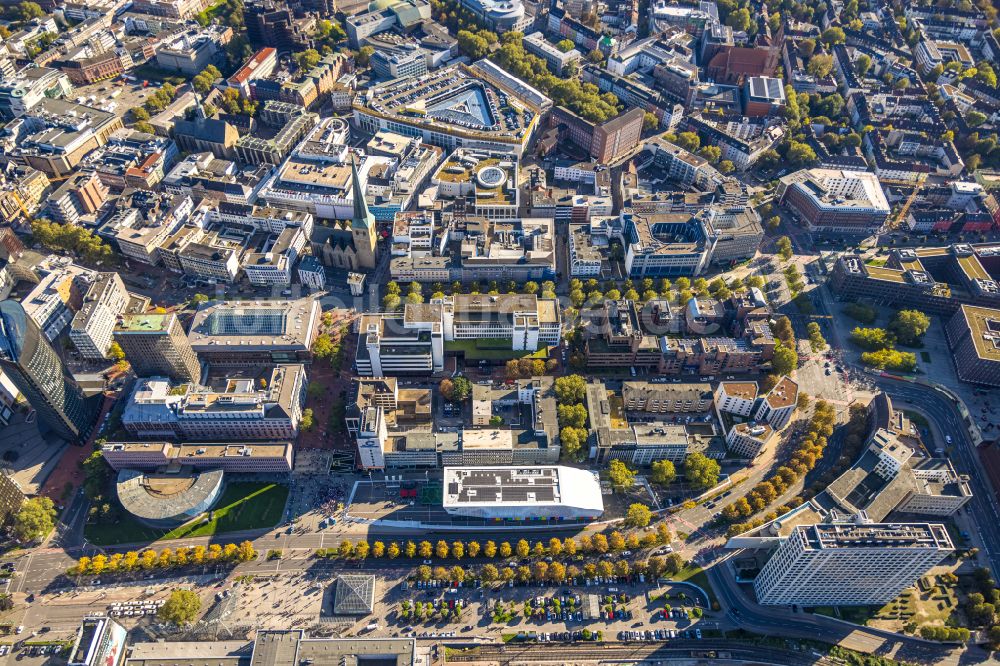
[781, 621]
[944, 415]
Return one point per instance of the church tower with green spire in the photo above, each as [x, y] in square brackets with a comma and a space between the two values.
[362, 224]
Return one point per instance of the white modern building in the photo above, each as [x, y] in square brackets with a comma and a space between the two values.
[850, 564]
[522, 493]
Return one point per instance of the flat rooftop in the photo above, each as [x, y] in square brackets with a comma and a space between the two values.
[984, 329]
[254, 325]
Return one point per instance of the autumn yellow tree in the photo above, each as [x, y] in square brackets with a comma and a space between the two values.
[393, 550]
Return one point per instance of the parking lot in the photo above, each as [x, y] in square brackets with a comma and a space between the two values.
[616, 607]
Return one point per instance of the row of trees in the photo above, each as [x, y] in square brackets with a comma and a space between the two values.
[680, 291]
[394, 296]
[71, 238]
[165, 559]
[458, 550]
[809, 450]
[572, 415]
[554, 572]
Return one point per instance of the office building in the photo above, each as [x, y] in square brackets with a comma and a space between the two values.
[605, 142]
[100, 641]
[156, 346]
[255, 458]
[499, 15]
[395, 61]
[748, 440]
[455, 107]
[936, 280]
[233, 405]
[82, 194]
[283, 648]
[28, 360]
[834, 200]
[416, 340]
[850, 564]
[974, 338]
[519, 493]
[93, 324]
[255, 333]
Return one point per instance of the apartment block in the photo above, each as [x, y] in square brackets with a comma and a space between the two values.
[777, 405]
[749, 440]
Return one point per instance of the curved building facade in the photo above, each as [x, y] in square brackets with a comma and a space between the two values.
[168, 500]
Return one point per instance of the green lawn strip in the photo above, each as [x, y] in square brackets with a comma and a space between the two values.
[235, 512]
[695, 574]
[491, 350]
[243, 506]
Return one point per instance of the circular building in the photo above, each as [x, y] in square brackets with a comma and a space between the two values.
[168, 500]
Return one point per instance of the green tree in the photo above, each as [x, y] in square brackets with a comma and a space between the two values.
[638, 515]
[689, 141]
[861, 312]
[27, 11]
[565, 45]
[116, 353]
[180, 608]
[807, 47]
[35, 519]
[308, 422]
[462, 388]
[784, 245]
[816, 340]
[784, 360]
[800, 153]
[323, 346]
[871, 339]
[620, 474]
[701, 471]
[820, 65]
[890, 359]
[832, 36]
[364, 56]
[472, 45]
[663, 472]
[739, 20]
[862, 64]
[307, 59]
[909, 326]
[649, 122]
[570, 390]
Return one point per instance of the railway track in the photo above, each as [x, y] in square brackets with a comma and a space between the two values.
[651, 652]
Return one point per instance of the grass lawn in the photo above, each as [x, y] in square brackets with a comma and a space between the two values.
[243, 506]
[491, 350]
[692, 573]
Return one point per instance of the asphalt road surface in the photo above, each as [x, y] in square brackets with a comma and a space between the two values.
[781, 621]
[943, 413]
